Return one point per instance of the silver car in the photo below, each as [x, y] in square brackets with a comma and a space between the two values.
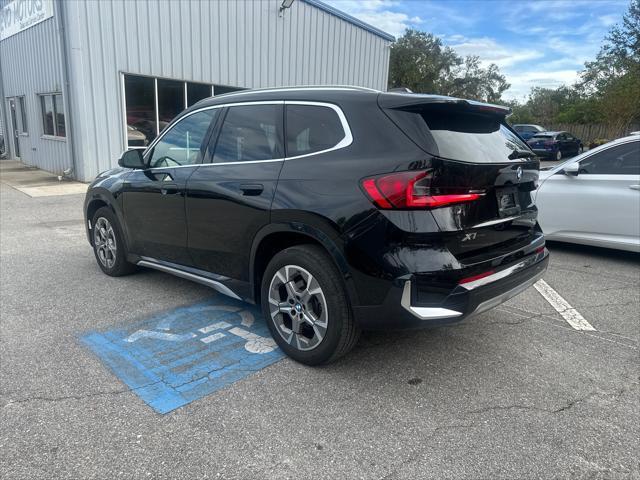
[594, 198]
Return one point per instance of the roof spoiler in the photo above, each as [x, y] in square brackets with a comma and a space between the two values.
[409, 101]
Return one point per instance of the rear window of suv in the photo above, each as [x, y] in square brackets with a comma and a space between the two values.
[472, 137]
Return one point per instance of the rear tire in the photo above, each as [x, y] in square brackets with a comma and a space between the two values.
[108, 244]
[306, 307]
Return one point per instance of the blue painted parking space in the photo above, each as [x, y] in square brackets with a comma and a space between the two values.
[181, 355]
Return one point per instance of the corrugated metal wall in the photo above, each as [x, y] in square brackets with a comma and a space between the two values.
[31, 64]
[244, 43]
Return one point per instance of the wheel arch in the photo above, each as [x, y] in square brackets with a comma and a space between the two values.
[96, 200]
[276, 237]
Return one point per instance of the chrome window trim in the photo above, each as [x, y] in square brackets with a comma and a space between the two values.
[343, 143]
[346, 140]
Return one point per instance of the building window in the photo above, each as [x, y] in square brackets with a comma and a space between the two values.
[141, 110]
[222, 89]
[197, 92]
[23, 116]
[53, 115]
[170, 101]
[151, 103]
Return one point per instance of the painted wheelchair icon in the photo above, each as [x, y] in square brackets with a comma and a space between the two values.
[254, 343]
[175, 357]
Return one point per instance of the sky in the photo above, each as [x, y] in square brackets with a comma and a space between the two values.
[536, 43]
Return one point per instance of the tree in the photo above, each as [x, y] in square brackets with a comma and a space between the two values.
[470, 80]
[608, 90]
[613, 78]
[419, 61]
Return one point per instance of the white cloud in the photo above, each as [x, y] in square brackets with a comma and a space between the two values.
[521, 83]
[547, 44]
[490, 51]
[379, 13]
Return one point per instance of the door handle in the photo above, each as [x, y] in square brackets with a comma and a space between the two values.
[634, 187]
[251, 189]
[163, 177]
[169, 189]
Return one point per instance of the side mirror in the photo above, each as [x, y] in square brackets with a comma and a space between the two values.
[132, 159]
[572, 169]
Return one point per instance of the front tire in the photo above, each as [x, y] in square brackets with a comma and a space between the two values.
[305, 303]
[108, 244]
[559, 155]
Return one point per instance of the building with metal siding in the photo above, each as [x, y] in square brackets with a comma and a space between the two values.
[121, 65]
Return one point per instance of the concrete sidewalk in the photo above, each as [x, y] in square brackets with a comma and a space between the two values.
[35, 182]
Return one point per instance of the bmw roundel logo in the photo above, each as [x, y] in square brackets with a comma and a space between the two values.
[519, 173]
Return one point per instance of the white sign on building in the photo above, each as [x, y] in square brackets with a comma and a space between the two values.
[22, 14]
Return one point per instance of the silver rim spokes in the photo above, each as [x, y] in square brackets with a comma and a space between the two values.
[104, 240]
[298, 307]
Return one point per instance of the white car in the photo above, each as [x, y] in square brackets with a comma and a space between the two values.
[594, 198]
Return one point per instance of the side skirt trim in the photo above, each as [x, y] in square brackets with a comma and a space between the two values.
[190, 276]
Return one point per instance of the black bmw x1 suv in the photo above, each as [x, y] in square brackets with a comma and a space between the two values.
[336, 209]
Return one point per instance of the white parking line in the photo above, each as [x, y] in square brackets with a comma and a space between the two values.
[570, 314]
[212, 338]
[214, 326]
[255, 343]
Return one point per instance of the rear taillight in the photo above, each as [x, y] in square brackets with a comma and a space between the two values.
[403, 190]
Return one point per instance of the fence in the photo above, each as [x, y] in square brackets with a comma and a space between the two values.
[589, 132]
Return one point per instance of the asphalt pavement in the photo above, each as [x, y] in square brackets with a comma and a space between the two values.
[516, 392]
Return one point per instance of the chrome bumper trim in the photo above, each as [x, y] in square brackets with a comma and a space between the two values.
[503, 297]
[504, 273]
[424, 313]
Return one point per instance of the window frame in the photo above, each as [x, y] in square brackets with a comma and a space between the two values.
[54, 135]
[345, 142]
[155, 79]
[23, 123]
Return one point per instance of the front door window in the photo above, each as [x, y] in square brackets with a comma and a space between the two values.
[181, 145]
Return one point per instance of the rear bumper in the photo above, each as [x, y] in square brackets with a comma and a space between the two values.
[403, 308]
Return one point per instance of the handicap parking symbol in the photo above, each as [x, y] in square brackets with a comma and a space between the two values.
[176, 357]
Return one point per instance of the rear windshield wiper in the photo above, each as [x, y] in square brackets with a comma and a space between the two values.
[520, 154]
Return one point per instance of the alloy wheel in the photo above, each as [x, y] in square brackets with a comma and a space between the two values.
[104, 239]
[298, 307]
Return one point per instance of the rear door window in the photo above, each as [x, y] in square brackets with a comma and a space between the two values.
[312, 129]
[250, 133]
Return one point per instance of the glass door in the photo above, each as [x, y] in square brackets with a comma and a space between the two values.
[14, 127]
